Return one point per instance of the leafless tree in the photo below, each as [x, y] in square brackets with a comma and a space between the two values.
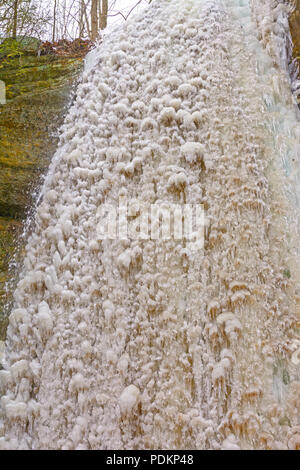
[54, 20]
[15, 18]
[103, 9]
[60, 19]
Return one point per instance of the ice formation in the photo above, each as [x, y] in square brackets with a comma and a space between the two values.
[136, 344]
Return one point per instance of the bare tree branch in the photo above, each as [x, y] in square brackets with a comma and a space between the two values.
[128, 14]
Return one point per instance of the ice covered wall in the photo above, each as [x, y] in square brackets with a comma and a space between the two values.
[123, 344]
[272, 21]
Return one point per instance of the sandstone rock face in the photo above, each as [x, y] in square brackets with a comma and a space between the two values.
[295, 28]
[37, 94]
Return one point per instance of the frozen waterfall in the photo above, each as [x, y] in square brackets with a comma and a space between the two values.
[128, 343]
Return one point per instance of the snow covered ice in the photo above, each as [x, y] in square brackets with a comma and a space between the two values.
[134, 344]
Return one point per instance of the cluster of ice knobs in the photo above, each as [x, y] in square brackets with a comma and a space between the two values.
[139, 344]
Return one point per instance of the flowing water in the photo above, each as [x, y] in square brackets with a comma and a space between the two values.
[145, 344]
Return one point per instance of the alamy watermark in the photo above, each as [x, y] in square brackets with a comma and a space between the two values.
[136, 220]
[2, 93]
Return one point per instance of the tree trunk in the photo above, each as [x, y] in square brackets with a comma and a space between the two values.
[81, 19]
[85, 19]
[54, 21]
[94, 18]
[65, 26]
[103, 14]
[15, 19]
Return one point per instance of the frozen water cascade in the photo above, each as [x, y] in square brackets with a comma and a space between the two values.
[134, 344]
